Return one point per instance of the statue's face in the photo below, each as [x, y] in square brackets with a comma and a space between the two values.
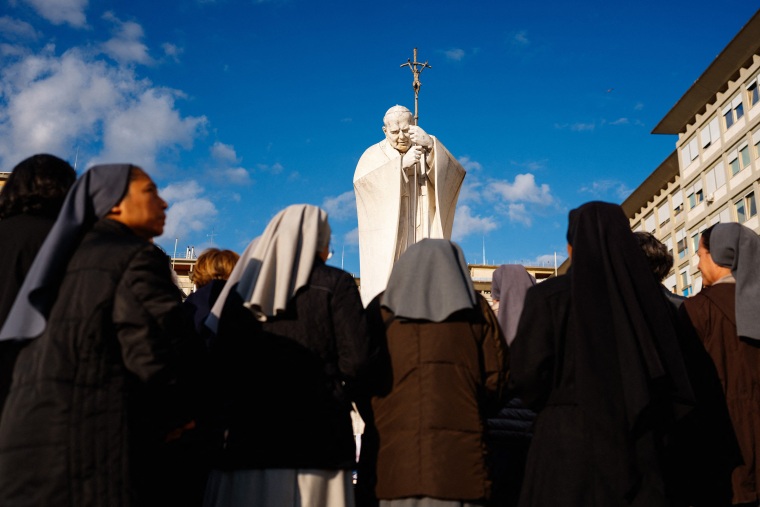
[396, 130]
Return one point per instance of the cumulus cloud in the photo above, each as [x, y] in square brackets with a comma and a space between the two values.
[469, 164]
[61, 12]
[224, 153]
[454, 54]
[147, 124]
[236, 175]
[342, 207]
[188, 210]
[126, 45]
[523, 189]
[467, 223]
[56, 104]
[275, 168]
[228, 169]
[15, 29]
[518, 213]
[172, 51]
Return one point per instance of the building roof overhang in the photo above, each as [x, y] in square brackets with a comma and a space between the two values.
[657, 181]
[737, 54]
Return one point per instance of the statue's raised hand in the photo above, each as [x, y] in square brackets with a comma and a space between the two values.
[420, 137]
[411, 157]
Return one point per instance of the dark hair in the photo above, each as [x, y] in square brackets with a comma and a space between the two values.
[705, 238]
[660, 260]
[37, 186]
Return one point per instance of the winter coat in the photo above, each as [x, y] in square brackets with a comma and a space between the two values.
[94, 397]
[21, 237]
[440, 382]
[282, 387]
[562, 470]
[713, 315]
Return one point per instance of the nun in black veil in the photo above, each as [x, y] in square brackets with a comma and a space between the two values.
[599, 355]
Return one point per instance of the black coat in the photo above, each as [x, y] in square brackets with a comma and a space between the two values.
[21, 237]
[94, 396]
[282, 386]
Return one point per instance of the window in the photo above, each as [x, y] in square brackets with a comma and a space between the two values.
[649, 223]
[677, 202]
[696, 234]
[695, 241]
[724, 216]
[746, 208]
[689, 152]
[663, 213]
[668, 244]
[681, 243]
[710, 133]
[694, 194]
[685, 283]
[715, 178]
[738, 159]
[752, 93]
[756, 142]
[733, 112]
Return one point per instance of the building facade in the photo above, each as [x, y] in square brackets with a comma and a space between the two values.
[714, 173]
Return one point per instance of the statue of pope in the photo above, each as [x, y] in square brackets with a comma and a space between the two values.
[406, 189]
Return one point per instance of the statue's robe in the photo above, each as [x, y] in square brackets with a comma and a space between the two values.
[390, 219]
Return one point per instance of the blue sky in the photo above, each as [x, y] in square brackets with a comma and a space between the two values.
[240, 108]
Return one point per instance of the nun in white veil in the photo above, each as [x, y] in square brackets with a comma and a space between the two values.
[291, 338]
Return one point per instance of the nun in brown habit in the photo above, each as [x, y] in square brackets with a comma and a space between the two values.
[445, 371]
[598, 354]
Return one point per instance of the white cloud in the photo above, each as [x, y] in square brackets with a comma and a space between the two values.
[620, 121]
[275, 168]
[466, 223]
[172, 51]
[581, 127]
[524, 189]
[126, 45]
[471, 190]
[224, 153]
[58, 104]
[237, 176]
[603, 188]
[59, 12]
[469, 164]
[16, 29]
[189, 211]
[518, 213]
[548, 259]
[147, 124]
[454, 54]
[342, 207]
[639, 106]
[351, 237]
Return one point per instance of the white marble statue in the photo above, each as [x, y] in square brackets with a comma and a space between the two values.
[402, 197]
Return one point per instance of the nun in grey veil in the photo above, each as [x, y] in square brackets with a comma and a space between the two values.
[291, 339]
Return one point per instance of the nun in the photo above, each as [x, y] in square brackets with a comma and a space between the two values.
[291, 338]
[599, 356]
[106, 372]
[724, 315]
[441, 372]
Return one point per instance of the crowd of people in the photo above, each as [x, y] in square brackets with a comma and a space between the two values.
[593, 388]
